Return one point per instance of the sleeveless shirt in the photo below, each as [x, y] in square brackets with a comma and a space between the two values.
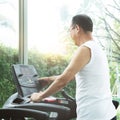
[93, 94]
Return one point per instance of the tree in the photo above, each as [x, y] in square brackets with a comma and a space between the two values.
[109, 30]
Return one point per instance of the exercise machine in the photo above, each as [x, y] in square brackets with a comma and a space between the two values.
[26, 81]
[52, 108]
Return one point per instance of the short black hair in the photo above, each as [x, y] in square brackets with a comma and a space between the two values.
[83, 21]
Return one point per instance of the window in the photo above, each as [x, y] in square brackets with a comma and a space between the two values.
[48, 21]
[9, 37]
[9, 23]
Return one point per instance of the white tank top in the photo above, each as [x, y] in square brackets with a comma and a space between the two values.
[93, 94]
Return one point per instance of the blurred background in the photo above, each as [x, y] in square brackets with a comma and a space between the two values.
[36, 32]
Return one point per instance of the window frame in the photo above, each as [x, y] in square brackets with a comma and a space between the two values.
[23, 42]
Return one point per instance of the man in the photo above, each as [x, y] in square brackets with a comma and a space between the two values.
[90, 68]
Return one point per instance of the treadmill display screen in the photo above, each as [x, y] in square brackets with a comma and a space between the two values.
[26, 71]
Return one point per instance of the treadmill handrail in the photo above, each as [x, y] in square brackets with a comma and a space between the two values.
[23, 112]
[62, 111]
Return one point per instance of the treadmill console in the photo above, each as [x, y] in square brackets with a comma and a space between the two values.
[26, 79]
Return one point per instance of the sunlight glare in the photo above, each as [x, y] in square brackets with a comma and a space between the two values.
[45, 25]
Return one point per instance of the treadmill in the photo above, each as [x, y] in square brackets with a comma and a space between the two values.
[26, 81]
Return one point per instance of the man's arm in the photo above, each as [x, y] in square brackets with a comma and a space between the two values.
[47, 80]
[79, 60]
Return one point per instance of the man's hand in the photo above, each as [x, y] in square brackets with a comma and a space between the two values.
[36, 97]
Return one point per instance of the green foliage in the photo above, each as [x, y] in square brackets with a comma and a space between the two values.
[8, 56]
[113, 74]
[47, 64]
[7, 88]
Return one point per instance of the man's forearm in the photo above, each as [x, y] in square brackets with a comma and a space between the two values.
[52, 78]
[53, 88]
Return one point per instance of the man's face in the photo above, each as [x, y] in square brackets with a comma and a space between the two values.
[74, 33]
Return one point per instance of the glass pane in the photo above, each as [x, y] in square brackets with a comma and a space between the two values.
[9, 23]
[8, 45]
[48, 22]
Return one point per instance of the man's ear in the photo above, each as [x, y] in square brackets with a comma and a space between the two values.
[78, 28]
